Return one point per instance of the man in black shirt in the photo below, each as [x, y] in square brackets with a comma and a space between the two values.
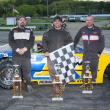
[21, 40]
[54, 39]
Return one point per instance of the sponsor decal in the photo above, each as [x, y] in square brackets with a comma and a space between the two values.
[21, 35]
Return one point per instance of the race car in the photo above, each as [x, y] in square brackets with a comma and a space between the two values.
[39, 68]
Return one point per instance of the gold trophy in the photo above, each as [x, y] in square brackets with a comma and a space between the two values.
[17, 83]
[57, 86]
[87, 79]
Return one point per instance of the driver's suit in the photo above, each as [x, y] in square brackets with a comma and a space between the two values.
[20, 38]
[93, 43]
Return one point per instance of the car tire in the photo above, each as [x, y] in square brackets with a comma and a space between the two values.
[6, 73]
[107, 72]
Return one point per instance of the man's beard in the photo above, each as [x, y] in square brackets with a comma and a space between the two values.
[22, 25]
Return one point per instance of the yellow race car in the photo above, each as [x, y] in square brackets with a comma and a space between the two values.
[42, 76]
[39, 70]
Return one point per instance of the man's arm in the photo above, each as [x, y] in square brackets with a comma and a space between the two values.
[45, 42]
[101, 42]
[77, 38]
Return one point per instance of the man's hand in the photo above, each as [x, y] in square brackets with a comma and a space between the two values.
[46, 54]
[24, 49]
[98, 55]
[21, 51]
[73, 51]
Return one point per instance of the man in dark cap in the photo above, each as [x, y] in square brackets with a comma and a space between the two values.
[21, 40]
[54, 39]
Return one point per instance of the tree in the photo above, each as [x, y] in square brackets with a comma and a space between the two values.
[18, 2]
[41, 10]
[52, 7]
[26, 10]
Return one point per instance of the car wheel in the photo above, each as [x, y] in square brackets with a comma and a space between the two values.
[6, 74]
[107, 72]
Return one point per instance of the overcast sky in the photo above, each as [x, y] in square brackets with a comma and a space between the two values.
[96, 0]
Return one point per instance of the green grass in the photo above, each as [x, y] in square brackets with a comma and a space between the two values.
[41, 20]
[34, 21]
[40, 23]
[4, 0]
[2, 21]
[101, 19]
[105, 28]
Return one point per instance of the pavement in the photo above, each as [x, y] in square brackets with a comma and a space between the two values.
[41, 99]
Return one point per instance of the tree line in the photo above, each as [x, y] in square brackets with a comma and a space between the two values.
[40, 8]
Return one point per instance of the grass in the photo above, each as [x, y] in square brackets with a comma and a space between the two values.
[33, 21]
[40, 24]
[99, 19]
[41, 20]
[4, 0]
[45, 23]
[2, 21]
[105, 28]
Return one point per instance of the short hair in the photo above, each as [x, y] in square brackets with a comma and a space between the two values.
[21, 17]
[57, 18]
[89, 15]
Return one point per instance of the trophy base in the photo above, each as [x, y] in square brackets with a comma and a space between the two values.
[87, 77]
[21, 97]
[57, 99]
[87, 91]
[55, 82]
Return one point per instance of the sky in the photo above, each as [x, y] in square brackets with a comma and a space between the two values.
[97, 0]
[101, 0]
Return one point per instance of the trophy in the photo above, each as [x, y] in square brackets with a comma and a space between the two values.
[17, 83]
[87, 79]
[57, 86]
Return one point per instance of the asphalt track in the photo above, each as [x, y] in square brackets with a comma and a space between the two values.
[41, 99]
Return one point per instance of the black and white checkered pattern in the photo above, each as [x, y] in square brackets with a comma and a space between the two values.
[63, 60]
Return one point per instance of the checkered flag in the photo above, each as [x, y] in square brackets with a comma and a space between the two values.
[63, 61]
